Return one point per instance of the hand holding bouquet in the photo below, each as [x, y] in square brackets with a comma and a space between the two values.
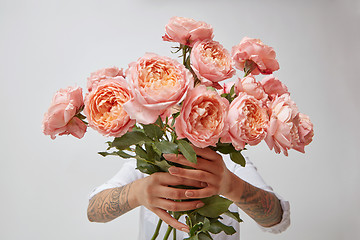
[167, 114]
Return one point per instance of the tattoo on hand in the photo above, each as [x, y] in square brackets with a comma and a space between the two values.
[109, 204]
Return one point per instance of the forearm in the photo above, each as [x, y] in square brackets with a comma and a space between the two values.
[111, 203]
[262, 206]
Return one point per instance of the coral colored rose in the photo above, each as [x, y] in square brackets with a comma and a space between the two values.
[273, 86]
[247, 121]
[158, 83]
[102, 74]
[250, 86]
[104, 107]
[303, 132]
[187, 31]
[211, 62]
[250, 49]
[60, 118]
[202, 117]
[283, 114]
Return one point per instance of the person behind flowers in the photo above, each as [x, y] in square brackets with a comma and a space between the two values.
[244, 111]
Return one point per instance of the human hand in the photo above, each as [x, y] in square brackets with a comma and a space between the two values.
[157, 195]
[210, 168]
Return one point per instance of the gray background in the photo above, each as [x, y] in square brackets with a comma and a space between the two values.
[48, 45]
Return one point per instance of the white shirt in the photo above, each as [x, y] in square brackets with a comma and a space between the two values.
[148, 219]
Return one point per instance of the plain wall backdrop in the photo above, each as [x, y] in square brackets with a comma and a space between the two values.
[48, 45]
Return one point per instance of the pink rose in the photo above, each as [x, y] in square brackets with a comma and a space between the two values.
[187, 31]
[273, 86]
[103, 74]
[202, 117]
[283, 114]
[60, 118]
[211, 62]
[250, 86]
[302, 132]
[247, 121]
[104, 107]
[253, 50]
[158, 83]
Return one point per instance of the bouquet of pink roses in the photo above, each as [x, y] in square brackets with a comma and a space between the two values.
[159, 106]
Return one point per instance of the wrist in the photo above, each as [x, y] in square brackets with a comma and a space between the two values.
[234, 187]
[135, 193]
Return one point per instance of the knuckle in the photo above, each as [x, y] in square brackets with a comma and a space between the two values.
[150, 201]
[155, 177]
[172, 206]
[181, 181]
[177, 194]
[201, 175]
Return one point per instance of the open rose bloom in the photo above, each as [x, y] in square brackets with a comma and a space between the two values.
[211, 62]
[247, 121]
[187, 31]
[255, 51]
[202, 117]
[157, 83]
[102, 74]
[104, 107]
[60, 118]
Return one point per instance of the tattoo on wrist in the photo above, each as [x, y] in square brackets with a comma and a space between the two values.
[109, 204]
[264, 207]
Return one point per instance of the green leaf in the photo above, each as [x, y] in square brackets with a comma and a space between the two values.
[146, 167]
[130, 138]
[217, 226]
[140, 152]
[152, 154]
[232, 90]
[234, 215]
[167, 147]
[153, 131]
[195, 237]
[238, 158]
[117, 153]
[163, 165]
[158, 152]
[187, 150]
[206, 225]
[214, 206]
[203, 236]
[224, 148]
[159, 122]
[174, 116]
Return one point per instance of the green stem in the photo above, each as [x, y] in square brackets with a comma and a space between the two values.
[167, 234]
[184, 55]
[174, 234]
[156, 233]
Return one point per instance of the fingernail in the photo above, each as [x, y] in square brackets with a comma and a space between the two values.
[173, 170]
[185, 230]
[199, 205]
[189, 194]
[203, 184]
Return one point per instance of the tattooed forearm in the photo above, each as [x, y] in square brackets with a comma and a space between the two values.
[109, 204]
[264, 207]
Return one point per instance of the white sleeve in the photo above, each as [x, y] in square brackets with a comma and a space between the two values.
[127, 174]
[250, 174]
